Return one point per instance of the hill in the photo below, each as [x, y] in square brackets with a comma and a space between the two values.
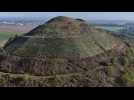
[63, 37]
[67, 52]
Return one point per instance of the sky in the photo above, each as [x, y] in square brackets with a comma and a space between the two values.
[84, 15]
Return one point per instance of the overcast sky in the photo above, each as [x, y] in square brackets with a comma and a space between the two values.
[84, 15]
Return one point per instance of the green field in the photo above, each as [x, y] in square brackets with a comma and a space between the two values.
[111, 28]
[4, 36]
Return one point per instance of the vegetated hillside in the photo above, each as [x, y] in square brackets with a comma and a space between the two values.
[63, 37]
[67, 52]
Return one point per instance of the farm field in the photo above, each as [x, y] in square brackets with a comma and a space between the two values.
[7, 31]
[4, 36]
[111, 28]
